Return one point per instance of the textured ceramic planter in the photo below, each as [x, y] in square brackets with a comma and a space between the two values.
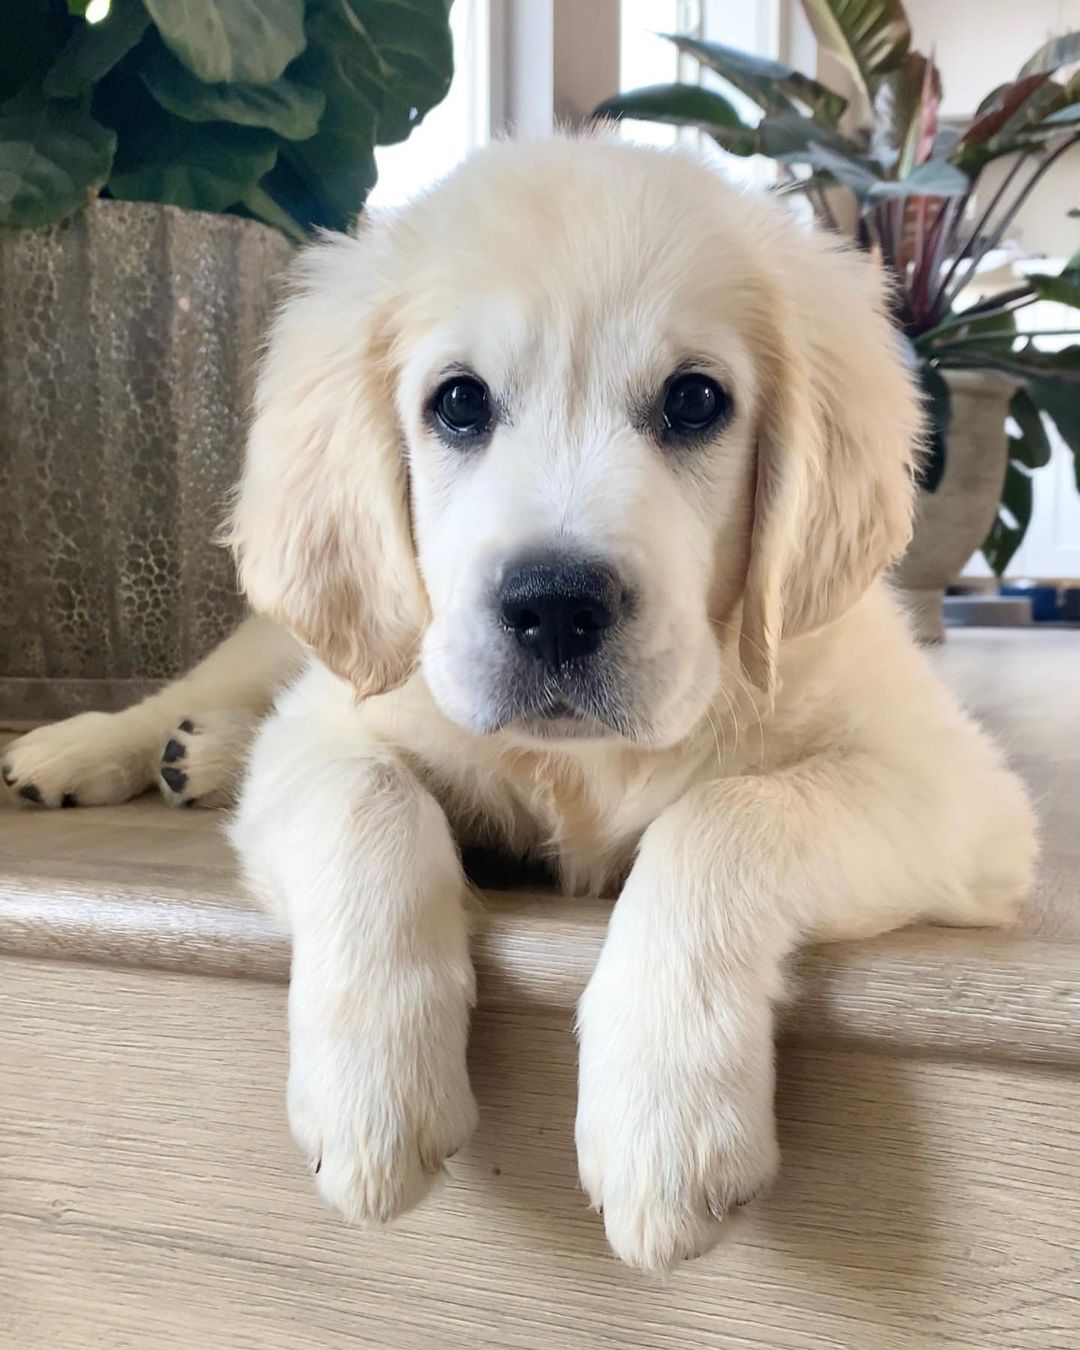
[126, 350]
[952, 522]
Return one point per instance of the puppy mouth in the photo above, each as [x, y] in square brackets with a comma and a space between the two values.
[559, 710]
[559, 716]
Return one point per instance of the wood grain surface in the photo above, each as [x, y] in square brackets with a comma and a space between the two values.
[150, 1196]
[153, 1199]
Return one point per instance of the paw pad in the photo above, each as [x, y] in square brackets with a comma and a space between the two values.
[174, 778]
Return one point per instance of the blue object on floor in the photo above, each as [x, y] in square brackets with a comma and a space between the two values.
[1045, 600]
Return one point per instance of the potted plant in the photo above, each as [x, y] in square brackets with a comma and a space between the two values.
[921, 207]
[158, 160]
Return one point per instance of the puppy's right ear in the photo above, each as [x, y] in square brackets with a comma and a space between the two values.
[320, 527]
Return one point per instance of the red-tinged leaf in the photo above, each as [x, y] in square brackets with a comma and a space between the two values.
[1008, 100]
[929, 110]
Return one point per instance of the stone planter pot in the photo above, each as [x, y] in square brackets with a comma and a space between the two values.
[126, 355]
[952, 522]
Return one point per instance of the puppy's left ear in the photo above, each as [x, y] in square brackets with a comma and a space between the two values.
[838, 432]
[320, 527]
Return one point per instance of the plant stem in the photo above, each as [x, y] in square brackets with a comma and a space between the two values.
[976, 231]
[1009, 216]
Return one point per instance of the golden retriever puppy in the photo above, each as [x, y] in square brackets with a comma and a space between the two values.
[576, 479]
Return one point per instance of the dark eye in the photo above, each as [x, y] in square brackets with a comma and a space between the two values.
[693, 404]
[461, 406]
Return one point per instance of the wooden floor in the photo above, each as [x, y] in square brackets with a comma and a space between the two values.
[150, 1197]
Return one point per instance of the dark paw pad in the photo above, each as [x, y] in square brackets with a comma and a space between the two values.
[174, 778]
[172, 752]
[30, 793]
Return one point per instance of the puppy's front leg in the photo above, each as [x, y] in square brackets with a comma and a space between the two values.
[358, 859]
[675, 1113]
[675, 1102]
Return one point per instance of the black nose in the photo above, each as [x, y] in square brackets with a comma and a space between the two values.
[559, 610]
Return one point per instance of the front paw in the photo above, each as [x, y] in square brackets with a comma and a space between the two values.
[673, 1130]
[94, 759]
[379, 1095]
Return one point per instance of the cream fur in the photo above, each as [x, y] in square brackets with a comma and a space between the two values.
[788, 768]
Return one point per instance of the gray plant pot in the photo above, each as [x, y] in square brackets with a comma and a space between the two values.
[951, 523]
[126, 352]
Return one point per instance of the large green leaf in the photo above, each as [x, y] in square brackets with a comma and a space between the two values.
[871, 37]
[209, 167]
[1008, 530]
[1031, 446]
[382, 65]
[935, 178]
[291, 109]
[415, 53]
[1059, 400]
[1009, 120]
[53, 158]
[1052, 55]
[772, 85]
[258, 202]
[859, 176]
[95, 48]
[234, 41]
[790, 137]
[1063, 289]
[681, 105]
[31, 33]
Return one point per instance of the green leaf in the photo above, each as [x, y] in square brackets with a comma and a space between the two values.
[382, 65]
[856, 174]
[31, 34]
[161, 158]
[937, 408]
[232, 41]
[53, 158]
[1007, 532]
[871, 37]
[772, 85]
[980, 324]
[1064, 289]
[1032, 446]
[935, 178]
[263, 207]
[292, 110]
[1059, 51]
[415, 53]
[95, 48]
[1015, 111]
[1059, 401]
[1070, 113]
[681, 105]
[790, 137]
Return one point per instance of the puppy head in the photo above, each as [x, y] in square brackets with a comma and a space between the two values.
[563, 430]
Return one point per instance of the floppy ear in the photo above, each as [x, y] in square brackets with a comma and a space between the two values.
[320, 526]
[838, 433]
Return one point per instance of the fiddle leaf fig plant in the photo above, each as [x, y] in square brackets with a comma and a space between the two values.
[921, 206]
[265, 108]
